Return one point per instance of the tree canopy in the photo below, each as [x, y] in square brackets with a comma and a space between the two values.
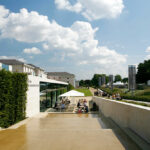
[143, 73]
[125, 80]
[118, 78]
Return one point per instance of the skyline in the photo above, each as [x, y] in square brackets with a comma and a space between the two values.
[98, 36]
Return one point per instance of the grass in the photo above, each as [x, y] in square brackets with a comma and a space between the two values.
[137, 103]
[86, 91]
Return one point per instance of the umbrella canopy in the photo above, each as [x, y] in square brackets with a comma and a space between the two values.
[72, 93]
[118, 83]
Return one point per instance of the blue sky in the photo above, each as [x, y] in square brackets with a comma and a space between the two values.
[96, 36]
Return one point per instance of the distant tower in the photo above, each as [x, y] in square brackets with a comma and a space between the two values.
[132, 77]
[103, 80]
[111, 81]
[100, 81]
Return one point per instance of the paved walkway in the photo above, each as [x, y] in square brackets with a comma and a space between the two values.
[66, 132]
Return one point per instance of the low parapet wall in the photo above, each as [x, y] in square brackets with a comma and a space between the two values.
[134, 117]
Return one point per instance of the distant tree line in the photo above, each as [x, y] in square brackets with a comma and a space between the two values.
[142, 76]
[95, 80]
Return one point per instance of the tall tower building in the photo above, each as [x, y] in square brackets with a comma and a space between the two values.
[132, 77]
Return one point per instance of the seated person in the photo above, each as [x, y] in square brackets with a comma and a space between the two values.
[56, 104]
[86, 109]
[78, 105]
[63, 105]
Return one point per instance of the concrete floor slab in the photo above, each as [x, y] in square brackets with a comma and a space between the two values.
[65, 132]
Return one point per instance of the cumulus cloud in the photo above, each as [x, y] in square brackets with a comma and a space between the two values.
[148, 49]
[76, 42]
[13, 57]
[93, 9]
[32, 50]
[147, 57]
[66, 5]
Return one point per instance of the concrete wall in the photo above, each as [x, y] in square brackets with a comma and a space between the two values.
[33, 96]
[67, 79]
[126, 115]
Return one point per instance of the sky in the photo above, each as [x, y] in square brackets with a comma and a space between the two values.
[82, 37]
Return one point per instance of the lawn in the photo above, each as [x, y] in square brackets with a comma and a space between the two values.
[86, 91]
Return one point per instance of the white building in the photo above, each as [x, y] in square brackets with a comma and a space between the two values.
[6, 67]
[33, 93]
[18, 66]
[21, 67]
[39, 71]
[36, 76]
[62, 76]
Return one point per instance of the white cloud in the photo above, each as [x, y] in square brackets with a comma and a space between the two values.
[147, 57]
[25, 27]
[66, 5]
[76, 42]
[148, 49]
[93, 9]
[13, 57]
[84, 62]
[32, 50]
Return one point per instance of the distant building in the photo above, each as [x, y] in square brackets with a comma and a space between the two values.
[103, 80]
[100, 81]
[38, 71]
[21, 67]
[62, 76]
[6, 67]
[148, 82]
[132, 77]
[111, 80]
[77, 84]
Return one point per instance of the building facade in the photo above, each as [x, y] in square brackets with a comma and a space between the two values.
[42, 92]
[132, 77]
[62, 76]
[6, 67]
[21, 67]
[38, 71]
[18, 66]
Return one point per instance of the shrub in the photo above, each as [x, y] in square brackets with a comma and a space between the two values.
[137, 98]
[70, 87]
[13, 87]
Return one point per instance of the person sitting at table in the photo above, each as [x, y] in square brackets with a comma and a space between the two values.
[79, 104]
[63, 105]
[86, 109]
[56, 104]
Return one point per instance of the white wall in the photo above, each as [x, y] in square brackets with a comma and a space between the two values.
[0, 66]
[134, 117]
[33, 96]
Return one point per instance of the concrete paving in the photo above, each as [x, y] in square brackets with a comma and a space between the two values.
[66, 132]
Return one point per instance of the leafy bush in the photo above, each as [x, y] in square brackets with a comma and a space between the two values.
[13, 87]
[70, 87]
[137, 98]
[141, 96]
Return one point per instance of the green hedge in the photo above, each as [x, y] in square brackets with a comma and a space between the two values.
[13, 87]
[137, 98]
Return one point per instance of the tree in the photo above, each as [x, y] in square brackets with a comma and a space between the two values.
[95, 79]
[118, 78]
[85, 83]
[70, 87]
[125, 80]
[143, 73]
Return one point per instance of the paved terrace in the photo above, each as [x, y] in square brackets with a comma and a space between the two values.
[66, 132]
